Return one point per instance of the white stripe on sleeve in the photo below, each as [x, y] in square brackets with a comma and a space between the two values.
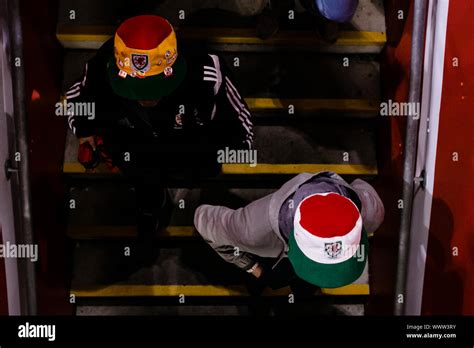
[73, 96]
[241, 109]
[85, 75]
[217, 66]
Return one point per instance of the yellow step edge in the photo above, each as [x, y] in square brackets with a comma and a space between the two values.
[179, 231]
[309, 104]
[77, 168]
[68, 33]
[247, 36]
[348, 105]
[352, 289]
[199, 290]
[261, 168]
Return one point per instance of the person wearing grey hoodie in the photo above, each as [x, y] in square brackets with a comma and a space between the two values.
[260, 231]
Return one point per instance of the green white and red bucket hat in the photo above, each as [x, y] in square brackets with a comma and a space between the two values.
[146, 64]
[328, 246]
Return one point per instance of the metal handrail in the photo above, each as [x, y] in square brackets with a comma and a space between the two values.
[416, 74]
[21, 182]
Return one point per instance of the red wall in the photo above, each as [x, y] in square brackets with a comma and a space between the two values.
[449, 279]
[47, 134]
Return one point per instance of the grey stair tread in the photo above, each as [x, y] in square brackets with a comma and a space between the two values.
[342, 143]
[105, 264]
[107, 205]
[114, 205]
[307, 142]
[102, 264]
[310, 75]
[285, 75]
[162, 310]
[299, 310]
[370, 16]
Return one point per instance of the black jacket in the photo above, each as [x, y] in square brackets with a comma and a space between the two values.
[206, 103]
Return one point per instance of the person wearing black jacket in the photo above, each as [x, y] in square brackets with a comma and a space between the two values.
[156, 109]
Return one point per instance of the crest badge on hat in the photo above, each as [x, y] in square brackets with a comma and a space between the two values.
[179, 119]
[140, 62]
[168, 71]
[333, 250]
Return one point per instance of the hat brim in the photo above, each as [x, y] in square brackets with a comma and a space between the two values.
[148, 88]
[328, 275]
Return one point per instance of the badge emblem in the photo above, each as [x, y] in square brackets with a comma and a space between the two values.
[140, 62]
[179, 120]
[333, 250]
[168, 71]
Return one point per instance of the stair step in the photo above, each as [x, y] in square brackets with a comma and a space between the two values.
[95, 22]
[236, 39]
[298, 39]
[201, 291]
[107, 310]
[245, 169]
[304, 309]
[304, 147]
[279, 108]
[101, 270]
[269, 168]
[317, 85]
[95, 215]
[316, 107]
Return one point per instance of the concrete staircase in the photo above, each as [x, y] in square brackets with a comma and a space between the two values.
[333, 127]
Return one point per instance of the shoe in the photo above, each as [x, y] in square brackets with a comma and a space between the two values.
[274, 277]
[153, 208]
[166, 209]
[255, 286]
[326, 30]
[147, 225]
[267, 24]
[302, 289]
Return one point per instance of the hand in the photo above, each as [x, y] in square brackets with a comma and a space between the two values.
[87, 153]
[90, 140]
[258, 272]
[278, 276]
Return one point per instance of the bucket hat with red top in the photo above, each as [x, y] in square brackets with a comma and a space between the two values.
[328, 246]
[146, 64]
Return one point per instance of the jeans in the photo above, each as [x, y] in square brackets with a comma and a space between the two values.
[337, 10]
